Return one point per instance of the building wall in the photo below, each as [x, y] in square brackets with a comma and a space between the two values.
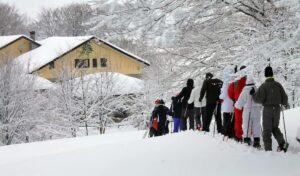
[16, 48]
[116, 62]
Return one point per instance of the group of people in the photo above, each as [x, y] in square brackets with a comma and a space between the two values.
[236, 99]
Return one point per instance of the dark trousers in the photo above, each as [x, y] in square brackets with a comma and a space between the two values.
[187, 114]
[176, 124]
[228, 124]
[213, 109]
[271, 117]
[199, 115]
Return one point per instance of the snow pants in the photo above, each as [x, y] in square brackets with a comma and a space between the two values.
[213, 109]
[238, 120]
[199, 113]
[228, 124]
[176, 124]
[187, 114]
[251, 122]
[271, 117]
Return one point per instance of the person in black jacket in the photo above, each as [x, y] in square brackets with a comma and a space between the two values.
[176, 108]
[212, 89]
[187, 109]
[159, 115]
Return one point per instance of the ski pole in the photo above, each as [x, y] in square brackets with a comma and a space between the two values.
[249, 118]
[215, 114]
[284, 124]
[214, 128]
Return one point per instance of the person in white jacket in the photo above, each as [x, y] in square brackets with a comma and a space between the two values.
[251, 114]
[227, 104]
[199, 107]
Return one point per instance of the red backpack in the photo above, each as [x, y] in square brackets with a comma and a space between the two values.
[155, 124]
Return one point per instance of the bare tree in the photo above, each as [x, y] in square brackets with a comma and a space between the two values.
[69, 20]
[11, 21]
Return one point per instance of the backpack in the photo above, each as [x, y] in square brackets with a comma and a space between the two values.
[214, 86]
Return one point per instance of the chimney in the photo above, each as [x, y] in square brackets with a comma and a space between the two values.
[32, 35]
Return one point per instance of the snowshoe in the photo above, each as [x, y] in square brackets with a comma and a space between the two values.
[238, 140]
[257, 146]
[256, 143]
[283, 147]
[247, 141]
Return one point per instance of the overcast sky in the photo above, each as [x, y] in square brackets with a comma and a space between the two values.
[32, 7]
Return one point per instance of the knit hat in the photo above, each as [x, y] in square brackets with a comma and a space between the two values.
[190, 83]
[242, 67]
[268, 71]
[157, 101]
[209, 75]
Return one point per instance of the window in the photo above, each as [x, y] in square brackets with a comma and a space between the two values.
[94, 63]
[103, 62]
[82, 63]
[51, 65]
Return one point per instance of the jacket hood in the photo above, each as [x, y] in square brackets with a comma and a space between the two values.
[249, 70]
[249, 80]
[198, 82]
[229, 73]
[190, 83]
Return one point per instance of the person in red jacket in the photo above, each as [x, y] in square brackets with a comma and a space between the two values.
[234, 90]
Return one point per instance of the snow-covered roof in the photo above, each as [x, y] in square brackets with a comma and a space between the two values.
[55, 47]
[50, 49]
[42, 83]
[36, 82]
[124, 52]
[111, 83]
[5, 40]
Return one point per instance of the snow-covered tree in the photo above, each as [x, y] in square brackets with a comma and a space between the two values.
[205, 36]
[11, 21]
[69, 20]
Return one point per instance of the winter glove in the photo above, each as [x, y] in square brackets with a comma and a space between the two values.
[284, 107]
[252, 91]
[200, 100]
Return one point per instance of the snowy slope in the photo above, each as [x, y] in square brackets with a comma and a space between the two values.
[188, 153]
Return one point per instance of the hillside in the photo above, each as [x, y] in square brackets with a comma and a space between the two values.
[127, 153]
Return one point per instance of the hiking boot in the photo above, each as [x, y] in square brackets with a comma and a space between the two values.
[247, 141]
[283, 147]
[238, 139]
[256, 143]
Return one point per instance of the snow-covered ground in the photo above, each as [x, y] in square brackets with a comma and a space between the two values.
[127, 153]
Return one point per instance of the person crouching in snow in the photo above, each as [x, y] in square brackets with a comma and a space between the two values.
[176, 108]
[251, 114]
[158, 118]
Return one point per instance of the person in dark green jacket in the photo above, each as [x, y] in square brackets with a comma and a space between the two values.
[272, 96]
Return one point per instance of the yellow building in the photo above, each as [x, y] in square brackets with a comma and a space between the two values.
[76, 56]
[14, 45]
